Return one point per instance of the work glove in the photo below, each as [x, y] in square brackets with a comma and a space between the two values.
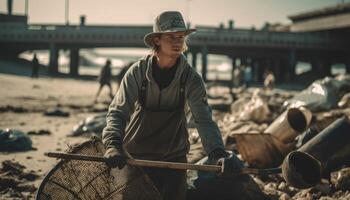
[115, 158]
[231, 166]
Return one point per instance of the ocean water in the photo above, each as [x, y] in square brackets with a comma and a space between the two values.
[91, 61]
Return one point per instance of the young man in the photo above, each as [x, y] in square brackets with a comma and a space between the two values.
[147, 119]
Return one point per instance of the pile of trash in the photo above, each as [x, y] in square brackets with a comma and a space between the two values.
[15, 183]
[305, 133]
[14, 140]
[92, 125]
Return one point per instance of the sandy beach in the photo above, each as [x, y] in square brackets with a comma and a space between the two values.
[23, 102]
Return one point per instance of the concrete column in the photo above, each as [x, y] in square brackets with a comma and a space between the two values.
[276, 69]
[233, 70]
[283, 70]
[74, 62]
[327, 66]
[315, 66]
[204, 63]
[255, 66]
[53, 65]
[321, 68]
[243, 61]
[261, 69]
[291, 65]
[347, 64]
[194, 59]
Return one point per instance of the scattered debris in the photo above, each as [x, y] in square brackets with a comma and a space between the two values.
[57, 112]
[39, 132]
[344, 101]
[256, 109]
[14, 140]
[91, 125]
[9, 108]
[15, 182]
[322, 94]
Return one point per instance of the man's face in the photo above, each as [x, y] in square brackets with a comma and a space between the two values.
[171, 43]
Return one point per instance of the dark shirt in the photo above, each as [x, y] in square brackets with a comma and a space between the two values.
[163, 76]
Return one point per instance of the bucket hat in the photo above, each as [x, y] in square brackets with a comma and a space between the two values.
[167, 22]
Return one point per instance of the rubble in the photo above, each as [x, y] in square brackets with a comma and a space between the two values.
[56, 112]
[91, 125]
[323, 94]
[14, 140]
[15, 183]
[235, 129]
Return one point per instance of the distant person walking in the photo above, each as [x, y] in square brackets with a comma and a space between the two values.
[105, 79]
[269, 81]
[35, 67]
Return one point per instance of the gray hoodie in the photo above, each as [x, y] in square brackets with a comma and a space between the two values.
[126, 99]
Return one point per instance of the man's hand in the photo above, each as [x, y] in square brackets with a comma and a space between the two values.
[231, 166]
[115, 158]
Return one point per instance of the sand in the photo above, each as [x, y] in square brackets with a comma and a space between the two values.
[35, 96]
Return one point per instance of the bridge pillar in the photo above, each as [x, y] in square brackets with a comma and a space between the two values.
[262, 63]
[194, 59]
[53, 65]
[321, 68]
[233, 71]
[347, 64]
[74, 62]
[327, 66]
[204, 52]
[255, 70]
[291, 65]
[276, 69]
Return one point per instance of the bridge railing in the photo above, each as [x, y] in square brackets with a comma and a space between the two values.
[260, 36]
[112, 35]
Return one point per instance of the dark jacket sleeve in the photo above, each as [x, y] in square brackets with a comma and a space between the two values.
[197, 100]
[121, 108]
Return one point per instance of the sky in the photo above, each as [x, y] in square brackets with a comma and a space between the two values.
[245, 13]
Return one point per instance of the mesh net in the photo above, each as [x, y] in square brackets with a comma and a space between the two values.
[74, 179]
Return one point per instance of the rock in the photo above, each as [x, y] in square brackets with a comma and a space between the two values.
[56, 112]
[341, 180]
[284, 197]
[92, 124]
[14, 140]
[40, 132]
[14, 181]
[282, 186]
[323, 188]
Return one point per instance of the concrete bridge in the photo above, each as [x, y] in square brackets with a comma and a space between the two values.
[260, 49]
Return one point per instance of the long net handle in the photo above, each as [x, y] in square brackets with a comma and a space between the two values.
[139, 163]
[162, 164]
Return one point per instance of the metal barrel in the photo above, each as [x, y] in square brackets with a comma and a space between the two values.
[326, 151]
[290, 124]
[301, 170]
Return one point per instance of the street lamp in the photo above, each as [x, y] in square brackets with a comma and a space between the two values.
[67, 12]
